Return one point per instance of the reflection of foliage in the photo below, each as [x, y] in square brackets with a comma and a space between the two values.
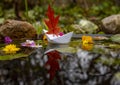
[108, 61]
[75, 43]
[53, 63]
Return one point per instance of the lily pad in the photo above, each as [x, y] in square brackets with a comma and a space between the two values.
[11, 57]
[114, 46]
[115, 38]
[67, 50]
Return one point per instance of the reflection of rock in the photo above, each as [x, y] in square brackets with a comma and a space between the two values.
[111, 24]
[17, 29]
[85, 26]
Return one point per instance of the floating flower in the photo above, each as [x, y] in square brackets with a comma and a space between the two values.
[61, 33]
[7, 40]
[87, 46]
[87, 40]
[10, 49]
[29, 43]
[45, 40]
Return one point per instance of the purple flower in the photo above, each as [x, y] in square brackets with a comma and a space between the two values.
[7, 40]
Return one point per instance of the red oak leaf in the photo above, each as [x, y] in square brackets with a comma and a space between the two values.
[52, 62]
[52, 22]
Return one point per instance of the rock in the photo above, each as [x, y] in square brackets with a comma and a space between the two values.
[17, 30]
[84, 26]
[88, 26]
[111, 24]
[77, 29]
[115, 38]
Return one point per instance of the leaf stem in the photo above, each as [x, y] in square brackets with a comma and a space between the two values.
[26, 8]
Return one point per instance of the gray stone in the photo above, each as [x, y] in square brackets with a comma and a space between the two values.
[111, 24]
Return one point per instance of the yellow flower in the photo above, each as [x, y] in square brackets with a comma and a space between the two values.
[87, 46]
[10, 49]
[87, 40]
[45, 40]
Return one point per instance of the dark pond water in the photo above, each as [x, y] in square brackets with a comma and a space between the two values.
[98, 66]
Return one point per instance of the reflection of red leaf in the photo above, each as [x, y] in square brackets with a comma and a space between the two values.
[52, 62]
[52, 22]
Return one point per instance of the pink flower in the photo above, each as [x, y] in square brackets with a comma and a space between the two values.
[61, 33]
[28, 43]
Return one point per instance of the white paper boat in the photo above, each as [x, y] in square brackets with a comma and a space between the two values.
[64, 39]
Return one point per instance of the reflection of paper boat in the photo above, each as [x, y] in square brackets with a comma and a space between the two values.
[64, 39]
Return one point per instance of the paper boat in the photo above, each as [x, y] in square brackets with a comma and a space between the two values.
[64, 39]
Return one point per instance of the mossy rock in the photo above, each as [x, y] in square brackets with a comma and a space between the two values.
[83, 27]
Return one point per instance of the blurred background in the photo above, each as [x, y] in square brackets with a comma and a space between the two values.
[70, 11]
[74, 9]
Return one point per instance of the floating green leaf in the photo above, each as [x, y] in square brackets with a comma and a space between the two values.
[11, 57]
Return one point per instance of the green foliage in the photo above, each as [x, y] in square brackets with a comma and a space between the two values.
[9, 14]
[1, 12]
[38, 27]
[39, 12]
[26, 8]
[71, 14]
[104, 9]
[1, 20]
